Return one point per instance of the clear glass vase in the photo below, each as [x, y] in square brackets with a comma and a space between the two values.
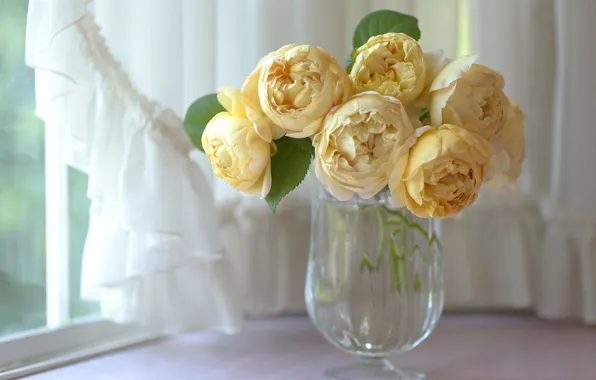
[374, 284]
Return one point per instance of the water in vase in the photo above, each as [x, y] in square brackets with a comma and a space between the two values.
[374, 282]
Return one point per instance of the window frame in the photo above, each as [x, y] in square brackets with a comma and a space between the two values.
[63, 339]
[45, 348]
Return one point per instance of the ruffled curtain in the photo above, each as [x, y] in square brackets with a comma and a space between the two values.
[153, 254]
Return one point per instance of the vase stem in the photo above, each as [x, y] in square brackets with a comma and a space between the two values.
[371, 369]
[378, 362]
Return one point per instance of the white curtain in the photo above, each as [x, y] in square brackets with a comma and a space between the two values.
[494, 247]
[152, 255]
[153, 252]
[536, 248]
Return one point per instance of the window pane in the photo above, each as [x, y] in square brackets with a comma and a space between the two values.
[22, 184]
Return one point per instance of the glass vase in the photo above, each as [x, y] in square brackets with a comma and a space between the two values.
[374, 284]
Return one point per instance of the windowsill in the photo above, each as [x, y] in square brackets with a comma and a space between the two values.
[462, 348]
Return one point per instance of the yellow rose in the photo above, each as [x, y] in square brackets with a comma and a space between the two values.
[506, 163]
[471, 96]
[359, 146]
[414, 116]
[444, 172]
[435, 61]
[294, 88]
[238, 155]
[391, 64]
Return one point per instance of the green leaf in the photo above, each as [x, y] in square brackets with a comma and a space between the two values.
[198, 115]
[384, 21]
[425, 116]
[289, 166]
[302, 144]
[349, 62]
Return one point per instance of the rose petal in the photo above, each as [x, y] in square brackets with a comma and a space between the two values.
[452, 72]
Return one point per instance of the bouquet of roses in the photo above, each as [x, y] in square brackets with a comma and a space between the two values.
[432, 130]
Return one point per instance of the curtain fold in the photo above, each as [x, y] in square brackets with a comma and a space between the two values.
[568, 270]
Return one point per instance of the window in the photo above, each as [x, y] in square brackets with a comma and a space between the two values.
[22, 183]
[43, 222]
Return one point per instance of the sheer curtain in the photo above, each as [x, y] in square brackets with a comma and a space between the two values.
[535, 248]
[153, 253]
[495, 247]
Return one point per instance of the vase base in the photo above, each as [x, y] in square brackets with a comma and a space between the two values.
[372, 369]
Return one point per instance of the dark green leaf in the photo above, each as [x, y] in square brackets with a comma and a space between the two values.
[384, 21]
[198, 115]
[303, 144]
[289, 166]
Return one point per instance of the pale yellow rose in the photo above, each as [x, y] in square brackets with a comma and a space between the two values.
[238, 155]
[414, 116]
[471, 96]
[435, 61]
[362, 143]
[294, 88]
[391, 64]
[444, 172]
[507, 160]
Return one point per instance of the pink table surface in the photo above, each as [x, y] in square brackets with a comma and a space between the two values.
[288, 348]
